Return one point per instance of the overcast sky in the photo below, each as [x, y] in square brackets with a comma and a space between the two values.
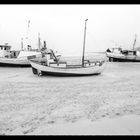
[62, 26]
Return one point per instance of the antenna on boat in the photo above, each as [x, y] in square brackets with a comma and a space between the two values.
[134, 41]
[21, 43]
[28, 42]
[45, 45]
[84, 43]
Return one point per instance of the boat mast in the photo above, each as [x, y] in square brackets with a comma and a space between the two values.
[84, 43]
[134, 41]
[39, 43]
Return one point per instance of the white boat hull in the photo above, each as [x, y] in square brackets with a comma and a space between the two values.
[14, 62]
[122, 58]
[65, 71]
[21, 60]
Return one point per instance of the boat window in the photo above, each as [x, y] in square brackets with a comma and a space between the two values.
[134, 52]
[125, 52]
[130, 53]
[51, 56]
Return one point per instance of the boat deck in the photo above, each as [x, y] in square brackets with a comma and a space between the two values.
[63, 64]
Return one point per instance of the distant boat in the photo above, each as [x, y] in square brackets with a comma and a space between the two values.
[52, 66]
[120, 55]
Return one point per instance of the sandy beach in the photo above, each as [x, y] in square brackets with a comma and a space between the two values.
[107, 104]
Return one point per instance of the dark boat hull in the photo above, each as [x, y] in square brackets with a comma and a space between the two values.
[14, 65]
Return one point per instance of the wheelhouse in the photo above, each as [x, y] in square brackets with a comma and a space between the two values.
[4, 50]
[129, 52]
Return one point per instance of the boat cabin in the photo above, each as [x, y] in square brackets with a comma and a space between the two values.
[129, 52]
[119, 50]
[14, 54]
[4, 50]
[114, 50]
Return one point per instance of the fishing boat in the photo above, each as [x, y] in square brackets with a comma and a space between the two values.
[13, 58]
[16, 58]
[50, 65]
[120, 55]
